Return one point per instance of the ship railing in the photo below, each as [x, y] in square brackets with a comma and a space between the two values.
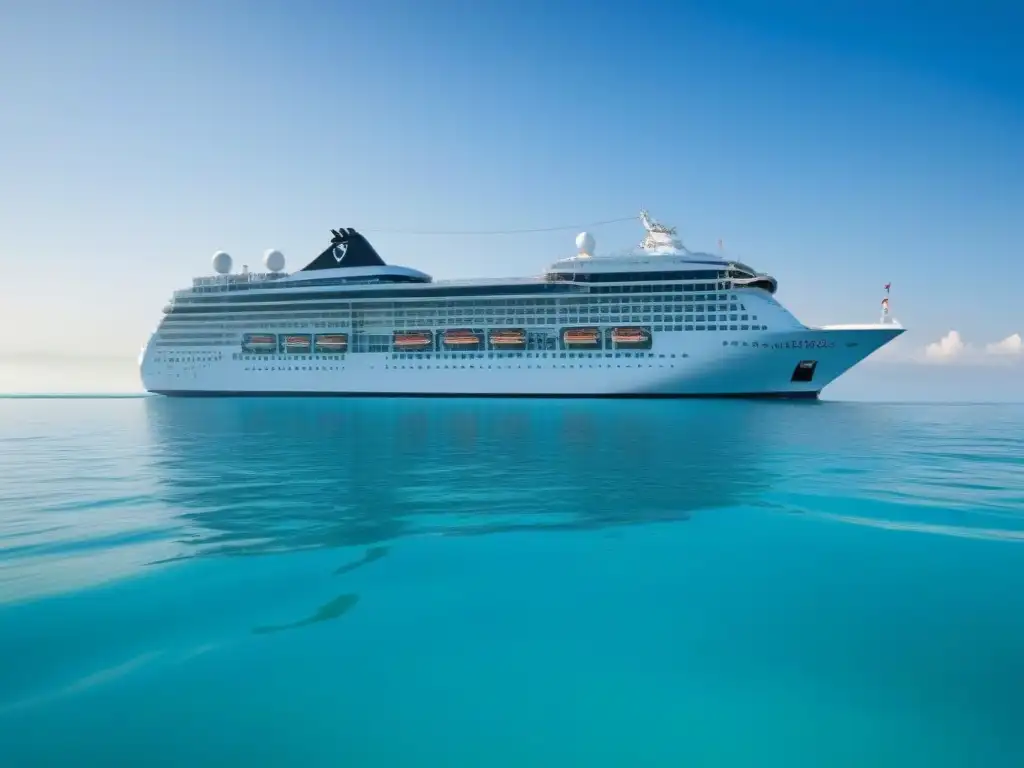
[491, 281]
[217, 283]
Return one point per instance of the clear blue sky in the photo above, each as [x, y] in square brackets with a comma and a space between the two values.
[837, 145]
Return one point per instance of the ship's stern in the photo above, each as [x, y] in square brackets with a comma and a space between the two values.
[147, 367]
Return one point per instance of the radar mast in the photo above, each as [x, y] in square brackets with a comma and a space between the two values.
[659, 237]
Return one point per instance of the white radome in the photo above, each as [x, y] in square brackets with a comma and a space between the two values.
[273, 260]
[585, 243]
[221, 263]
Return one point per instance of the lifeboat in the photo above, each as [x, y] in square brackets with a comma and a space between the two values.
[509, 338]
[259, 342]
[461, 338]
[296, 343]
[582, 337]
[415, 340]
[331, 342]
[631, 337]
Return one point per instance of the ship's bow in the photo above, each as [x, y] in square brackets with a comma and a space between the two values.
[845, 346]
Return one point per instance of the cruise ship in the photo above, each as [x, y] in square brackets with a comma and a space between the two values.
[655, 321]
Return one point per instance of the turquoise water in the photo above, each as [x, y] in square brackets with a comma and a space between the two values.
[510, 583]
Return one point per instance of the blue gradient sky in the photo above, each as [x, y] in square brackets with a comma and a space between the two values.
[838, 149]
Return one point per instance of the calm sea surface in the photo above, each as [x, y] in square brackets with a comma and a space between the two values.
[510, 583]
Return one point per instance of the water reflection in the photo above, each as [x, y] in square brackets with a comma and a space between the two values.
[261, 476]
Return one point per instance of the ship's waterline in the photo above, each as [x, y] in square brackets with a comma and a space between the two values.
[657, 322]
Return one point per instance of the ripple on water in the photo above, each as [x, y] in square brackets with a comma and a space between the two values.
[337, 552]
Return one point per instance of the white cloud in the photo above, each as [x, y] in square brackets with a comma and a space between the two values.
[952, 348]
[949, 347]
[1011, 345]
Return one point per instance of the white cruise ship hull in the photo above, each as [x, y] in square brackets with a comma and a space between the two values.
[683, 364]
[662, 321]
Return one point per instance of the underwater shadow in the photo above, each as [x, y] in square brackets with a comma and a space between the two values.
[337, 607]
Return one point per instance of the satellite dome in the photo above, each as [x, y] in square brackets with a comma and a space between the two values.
[221, 263]
[273, 260]
[585, 243]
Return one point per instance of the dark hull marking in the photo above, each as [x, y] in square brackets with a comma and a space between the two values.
[505, 395]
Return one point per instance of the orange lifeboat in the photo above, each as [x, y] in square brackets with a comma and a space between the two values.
[582, 337]
[630, 336]
[332, 342]
[259, 342]
[508, 338]
[417, 340]
[461, 338]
